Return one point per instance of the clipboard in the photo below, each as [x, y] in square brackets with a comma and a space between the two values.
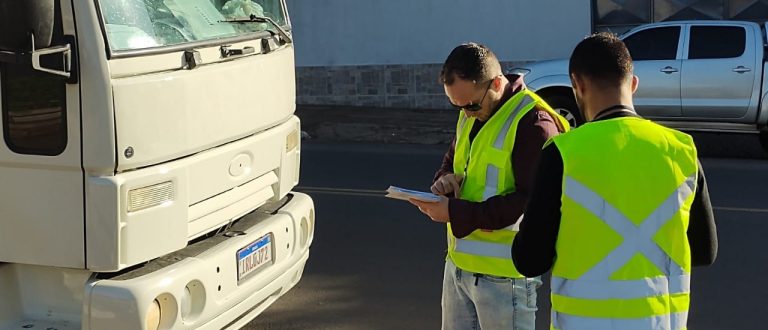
[406, 194]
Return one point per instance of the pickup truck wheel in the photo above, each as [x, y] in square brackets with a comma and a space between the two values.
[566, 107]
[764, 139]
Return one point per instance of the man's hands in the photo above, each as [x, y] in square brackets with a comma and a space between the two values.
[447, 184]
[437, 211]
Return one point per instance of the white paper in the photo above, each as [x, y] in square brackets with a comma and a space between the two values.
[406, 194]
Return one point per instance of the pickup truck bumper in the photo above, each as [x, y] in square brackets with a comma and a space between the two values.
[198, 287]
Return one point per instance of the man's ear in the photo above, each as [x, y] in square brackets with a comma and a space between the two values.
[578, 83]
[635, 83]
[496, 84]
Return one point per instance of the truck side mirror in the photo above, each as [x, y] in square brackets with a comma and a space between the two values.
[19, 18]
[27, 32]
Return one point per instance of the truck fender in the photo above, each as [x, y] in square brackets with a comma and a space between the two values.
[556, 90]
[560, 80]
[762, 116]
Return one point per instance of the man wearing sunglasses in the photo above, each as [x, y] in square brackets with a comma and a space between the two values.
[485, 180]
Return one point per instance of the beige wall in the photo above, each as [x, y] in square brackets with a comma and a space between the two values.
[375, 32]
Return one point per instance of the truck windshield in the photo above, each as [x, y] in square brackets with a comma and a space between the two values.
[141, 24]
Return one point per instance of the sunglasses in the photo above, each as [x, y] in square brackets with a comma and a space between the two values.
[472, 107]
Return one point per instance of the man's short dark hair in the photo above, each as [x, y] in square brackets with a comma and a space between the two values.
[471, 62]
[603, 58]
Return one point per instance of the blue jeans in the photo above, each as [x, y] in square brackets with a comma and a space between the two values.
[487, 302]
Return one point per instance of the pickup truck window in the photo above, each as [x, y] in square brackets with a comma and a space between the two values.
[717, 42]
[654, 44]
[141, 24]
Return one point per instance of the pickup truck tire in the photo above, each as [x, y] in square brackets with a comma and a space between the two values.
[764, 139]
[565, 105]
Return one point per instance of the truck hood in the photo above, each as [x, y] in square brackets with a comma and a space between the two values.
[169, 115]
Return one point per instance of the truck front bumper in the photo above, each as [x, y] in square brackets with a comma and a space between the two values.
[198, 287]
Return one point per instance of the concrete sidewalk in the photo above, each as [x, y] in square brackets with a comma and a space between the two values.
[377, 125]
[328, 123]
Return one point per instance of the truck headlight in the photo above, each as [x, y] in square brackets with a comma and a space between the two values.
[152, 320]
[162, 312]
[192, 301]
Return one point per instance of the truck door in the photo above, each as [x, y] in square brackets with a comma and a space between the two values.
[41, 195]
[718, 74]
[657, 63]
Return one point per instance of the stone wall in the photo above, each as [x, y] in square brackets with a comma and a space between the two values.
[411, 86]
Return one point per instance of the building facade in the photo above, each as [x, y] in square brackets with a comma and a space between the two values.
[388, 53]
[620, 15]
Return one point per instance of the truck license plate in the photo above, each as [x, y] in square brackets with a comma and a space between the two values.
[254, 256]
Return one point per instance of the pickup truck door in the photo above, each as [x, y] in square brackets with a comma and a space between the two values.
[718, 74]
[656, 57]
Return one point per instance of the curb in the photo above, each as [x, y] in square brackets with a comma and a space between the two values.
[376, 125]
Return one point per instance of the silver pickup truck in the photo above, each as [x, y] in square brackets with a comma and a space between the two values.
[694, 76]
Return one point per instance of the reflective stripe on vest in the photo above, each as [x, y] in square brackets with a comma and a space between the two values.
[491, 181]
[486, 165]
[492, 187]
[640, 237]
[596, 284]
[492, 256]
[487, 249]
[623, 261]
[492, 172]
[674, 321]
[462, 123]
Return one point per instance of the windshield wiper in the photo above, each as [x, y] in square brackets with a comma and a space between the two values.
[262, 19]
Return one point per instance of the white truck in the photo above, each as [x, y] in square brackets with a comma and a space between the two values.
[694, 75]
[149, 152]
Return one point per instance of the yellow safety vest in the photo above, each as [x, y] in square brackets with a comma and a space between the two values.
[623, 258]
[487, 169]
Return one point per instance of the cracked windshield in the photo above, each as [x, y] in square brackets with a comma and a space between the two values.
[139, 24]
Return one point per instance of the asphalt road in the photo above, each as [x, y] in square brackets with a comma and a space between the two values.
[377, 263]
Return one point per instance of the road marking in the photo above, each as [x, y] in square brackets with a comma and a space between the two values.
[381, 193]
[740, 209]
[343, 191]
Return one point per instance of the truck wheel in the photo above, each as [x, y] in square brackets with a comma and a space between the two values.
[565, 105]
[764, 139]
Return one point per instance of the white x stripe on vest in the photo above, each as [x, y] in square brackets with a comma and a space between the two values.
[676, 321]
[596, 283]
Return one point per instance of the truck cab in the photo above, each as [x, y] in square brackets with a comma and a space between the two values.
[150, 149]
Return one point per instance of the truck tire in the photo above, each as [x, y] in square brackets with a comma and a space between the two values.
[566, 106]
[764, 139]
